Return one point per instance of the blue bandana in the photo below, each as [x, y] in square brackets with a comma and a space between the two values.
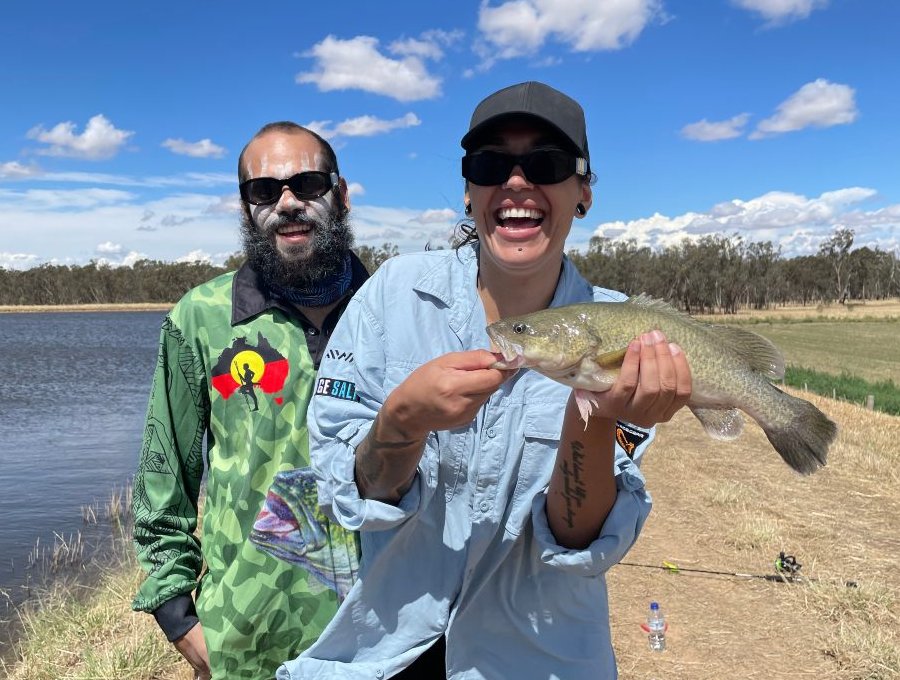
[323, 292]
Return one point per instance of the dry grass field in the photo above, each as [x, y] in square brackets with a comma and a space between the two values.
[733, 507]
[852, 311]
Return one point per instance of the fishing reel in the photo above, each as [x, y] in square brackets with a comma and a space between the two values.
[787, 567]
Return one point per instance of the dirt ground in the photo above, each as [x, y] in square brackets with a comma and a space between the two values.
[733, 507]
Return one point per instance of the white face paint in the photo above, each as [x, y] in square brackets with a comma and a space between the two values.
[282, 155]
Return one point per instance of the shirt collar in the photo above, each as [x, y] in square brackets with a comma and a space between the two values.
[457, 287]
[250, 295]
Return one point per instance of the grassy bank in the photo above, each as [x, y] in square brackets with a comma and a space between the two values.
[90, 633]
[846, 387]
[122, 307]
[80, 626]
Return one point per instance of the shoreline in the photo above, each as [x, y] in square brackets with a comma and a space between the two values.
[98, 307]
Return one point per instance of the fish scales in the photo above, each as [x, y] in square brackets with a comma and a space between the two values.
[583, 346]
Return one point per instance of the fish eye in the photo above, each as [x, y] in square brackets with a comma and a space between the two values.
[519, 328]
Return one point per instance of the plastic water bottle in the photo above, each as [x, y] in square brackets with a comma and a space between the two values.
[656, 627]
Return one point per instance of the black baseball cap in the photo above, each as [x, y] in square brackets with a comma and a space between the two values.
[531, 100]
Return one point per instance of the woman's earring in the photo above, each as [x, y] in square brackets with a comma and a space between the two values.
[580, 210]
[468, 209]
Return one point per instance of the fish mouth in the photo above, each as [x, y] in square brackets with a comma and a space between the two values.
[513, 353]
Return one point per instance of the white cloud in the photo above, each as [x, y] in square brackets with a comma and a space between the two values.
[182, 181]
[356, 64]
[435, 215]
[362, 126]
[355, 189]
[18, 260]
[795, 222]
[520, 27]
[15, 170]
[224, 205]
[781, 11]
[109, 248]
[376, 225]
[430, 45]
[197, 255]
[816, 104]
[416, 48]
[64, 234]
[100, 139]
[50, 200]
[202, 149]
[706, 131]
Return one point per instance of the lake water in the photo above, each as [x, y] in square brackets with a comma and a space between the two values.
[73, 397]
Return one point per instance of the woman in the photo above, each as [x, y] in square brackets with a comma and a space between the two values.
[488, 512]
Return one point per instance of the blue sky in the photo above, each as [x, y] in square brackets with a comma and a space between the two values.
[122, 122]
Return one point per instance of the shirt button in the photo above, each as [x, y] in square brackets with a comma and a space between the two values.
[379, 674]
[485, 506]
[492, 433]
[311, 331]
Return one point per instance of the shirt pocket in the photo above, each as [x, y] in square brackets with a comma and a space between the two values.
[540, 434]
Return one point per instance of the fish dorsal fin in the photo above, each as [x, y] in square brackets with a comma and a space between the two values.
[611, 359]
[757, 351]
[657, 305]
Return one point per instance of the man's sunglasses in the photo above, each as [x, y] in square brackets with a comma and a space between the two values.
[541, 166]
[304, 185]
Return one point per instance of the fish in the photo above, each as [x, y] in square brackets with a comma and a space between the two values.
[732, 369]
[291, 526]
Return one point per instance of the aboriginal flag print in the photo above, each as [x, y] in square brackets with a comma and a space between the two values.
[244, 368]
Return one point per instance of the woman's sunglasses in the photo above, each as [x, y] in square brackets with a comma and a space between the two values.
[541, 166]
[304, 185]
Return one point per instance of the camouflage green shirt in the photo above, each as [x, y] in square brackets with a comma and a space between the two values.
[234, 365]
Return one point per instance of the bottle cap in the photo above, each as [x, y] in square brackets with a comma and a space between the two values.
[654, 605]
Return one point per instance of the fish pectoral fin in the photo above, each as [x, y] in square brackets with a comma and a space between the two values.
[611, 359]
[720, 424]
[586, 401]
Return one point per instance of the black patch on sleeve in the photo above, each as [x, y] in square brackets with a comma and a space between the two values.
[629, 437]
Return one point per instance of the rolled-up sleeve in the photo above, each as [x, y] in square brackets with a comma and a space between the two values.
[617, 535]
[348, 395]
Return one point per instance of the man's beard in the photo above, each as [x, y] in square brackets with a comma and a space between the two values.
[305, 264]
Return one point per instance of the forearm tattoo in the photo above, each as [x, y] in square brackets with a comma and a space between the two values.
[574, 490]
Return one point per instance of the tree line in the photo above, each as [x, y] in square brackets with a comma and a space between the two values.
[144, 281]
[720, 274]
[714, 274]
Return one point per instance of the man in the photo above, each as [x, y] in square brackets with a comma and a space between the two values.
[258, 332]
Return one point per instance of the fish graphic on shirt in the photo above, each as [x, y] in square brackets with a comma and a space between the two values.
[292, 527]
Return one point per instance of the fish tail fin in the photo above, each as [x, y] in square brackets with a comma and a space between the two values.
[803, 442]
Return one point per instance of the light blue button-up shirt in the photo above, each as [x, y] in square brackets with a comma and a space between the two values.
[467, 552]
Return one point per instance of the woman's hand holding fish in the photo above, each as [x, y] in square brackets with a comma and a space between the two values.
[653, 384]
[444, 393]
[441, 394]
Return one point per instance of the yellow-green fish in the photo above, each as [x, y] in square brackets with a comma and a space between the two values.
[583, 346]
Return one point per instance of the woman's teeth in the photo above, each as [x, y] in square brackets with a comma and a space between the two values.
[520, 213]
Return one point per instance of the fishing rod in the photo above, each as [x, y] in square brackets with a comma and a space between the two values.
[787, 570]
